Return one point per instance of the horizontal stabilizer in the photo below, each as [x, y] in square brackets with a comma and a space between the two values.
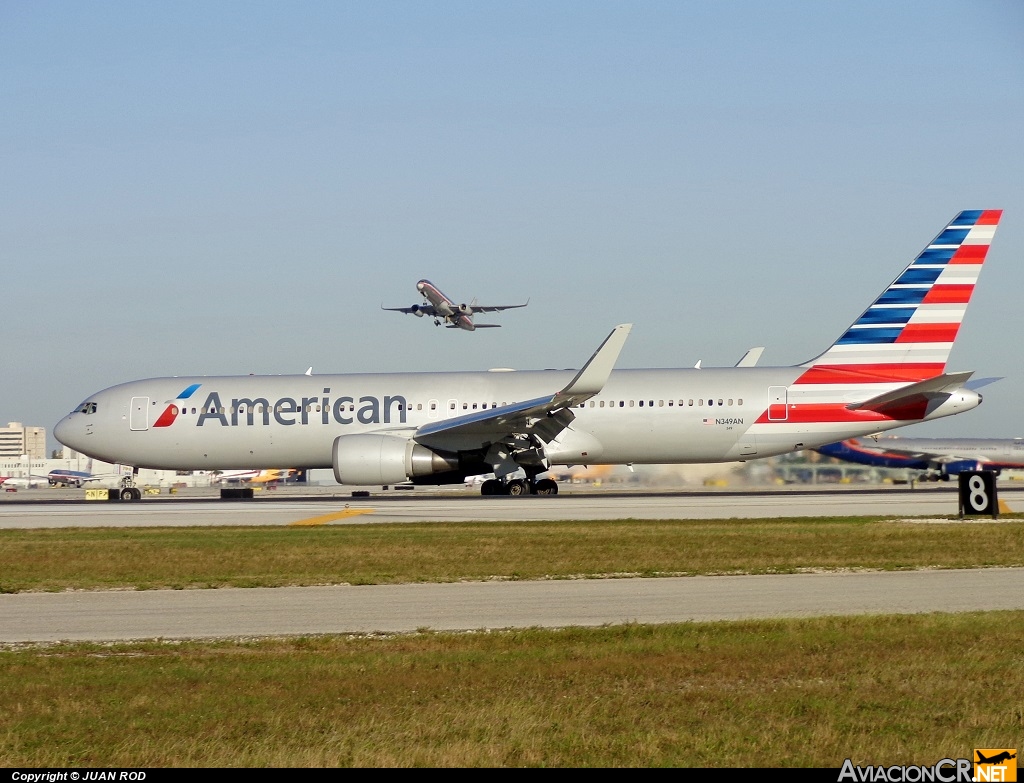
[978, 383]
[933, 387]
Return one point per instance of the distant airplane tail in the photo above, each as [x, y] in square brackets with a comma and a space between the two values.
[907, 333]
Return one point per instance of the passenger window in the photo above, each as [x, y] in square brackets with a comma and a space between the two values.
[730, 401]
[641, 403]
[739, 401]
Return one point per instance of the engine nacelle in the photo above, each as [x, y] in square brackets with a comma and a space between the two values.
[465, 309]
[417, 311]
[385, 459]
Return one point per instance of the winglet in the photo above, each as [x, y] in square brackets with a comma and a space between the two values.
[751, 357]
[592, 378]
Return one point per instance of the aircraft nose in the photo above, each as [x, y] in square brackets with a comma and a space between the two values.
[64, 432]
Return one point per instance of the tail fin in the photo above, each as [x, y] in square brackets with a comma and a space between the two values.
[907, 333]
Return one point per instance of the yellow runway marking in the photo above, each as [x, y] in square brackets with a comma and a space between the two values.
[323, 519]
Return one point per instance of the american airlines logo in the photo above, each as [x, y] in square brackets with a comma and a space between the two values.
[166, 419]
[250, 411]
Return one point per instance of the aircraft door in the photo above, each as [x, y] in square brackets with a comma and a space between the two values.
[138, 418]
[778, 408]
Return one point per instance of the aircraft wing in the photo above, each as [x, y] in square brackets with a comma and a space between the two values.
[496, 308]
[425, 309]
[543, 417]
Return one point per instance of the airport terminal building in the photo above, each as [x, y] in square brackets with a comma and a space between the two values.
[17, 440]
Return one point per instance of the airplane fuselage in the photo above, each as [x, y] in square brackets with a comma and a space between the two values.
[445, 307]
[887, 370]
[944, 456]
[640, 416]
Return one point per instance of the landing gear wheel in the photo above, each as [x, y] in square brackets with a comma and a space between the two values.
[128, 493]
[491, 487]
[546, 487]
[517, 487]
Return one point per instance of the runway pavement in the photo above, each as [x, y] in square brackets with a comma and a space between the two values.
[258, 612]
[441, 506]
[123, 615]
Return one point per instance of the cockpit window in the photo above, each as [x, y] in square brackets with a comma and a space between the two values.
[86, 407]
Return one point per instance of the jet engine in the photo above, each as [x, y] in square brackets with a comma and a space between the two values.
[417, 311]
[385, 459]
[465, 309]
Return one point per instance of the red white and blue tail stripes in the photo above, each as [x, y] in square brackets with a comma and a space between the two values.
[907, 333]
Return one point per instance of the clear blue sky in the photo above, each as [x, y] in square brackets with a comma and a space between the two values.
[210, 188]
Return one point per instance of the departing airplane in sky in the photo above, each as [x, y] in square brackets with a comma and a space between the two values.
[887, 370]
[455, 316]
[938, 458]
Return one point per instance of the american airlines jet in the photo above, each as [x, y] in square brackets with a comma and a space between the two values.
[887, 370]
[456, 316]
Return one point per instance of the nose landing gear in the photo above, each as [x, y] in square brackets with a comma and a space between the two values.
[128, 490]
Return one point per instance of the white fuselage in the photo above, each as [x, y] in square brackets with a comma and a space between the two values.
[640, 416]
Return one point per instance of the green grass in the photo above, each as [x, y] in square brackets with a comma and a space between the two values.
[889, 690]
[879, 690]
[148, 558]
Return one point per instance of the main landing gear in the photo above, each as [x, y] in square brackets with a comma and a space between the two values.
[519, 487]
